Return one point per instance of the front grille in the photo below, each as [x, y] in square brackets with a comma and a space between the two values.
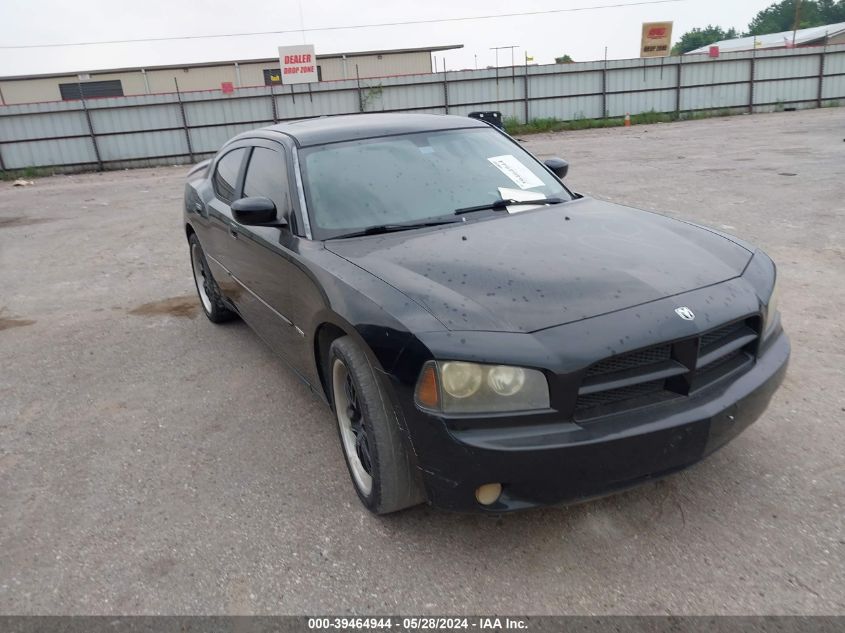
[727, 358]
[708, 338]
[633, 359]
[669, 370]
[612, 396]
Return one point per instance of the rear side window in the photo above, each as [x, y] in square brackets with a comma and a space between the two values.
[226, 175]
[266, 177]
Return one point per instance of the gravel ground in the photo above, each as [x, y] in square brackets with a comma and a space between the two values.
[151, 462]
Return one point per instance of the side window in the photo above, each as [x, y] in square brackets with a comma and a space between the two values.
[226, 175]
[266, 177]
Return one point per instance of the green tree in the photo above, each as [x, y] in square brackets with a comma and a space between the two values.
[775, 18]
[781, 16]
[696, 38]
[832, 11]
[564, 59]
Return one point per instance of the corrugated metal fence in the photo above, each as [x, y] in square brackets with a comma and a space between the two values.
[118, 132]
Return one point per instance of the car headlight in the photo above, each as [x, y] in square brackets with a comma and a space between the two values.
[771, 311]
[761, 274]
[461, 380]
[461, 387]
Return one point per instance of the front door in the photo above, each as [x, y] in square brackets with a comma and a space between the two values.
[262, 263]
[220, 242]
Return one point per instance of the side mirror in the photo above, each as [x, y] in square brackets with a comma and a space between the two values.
[256, 211]
[558, 166]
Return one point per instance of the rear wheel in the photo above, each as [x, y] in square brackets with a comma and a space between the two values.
[375, 453]
[207, 289]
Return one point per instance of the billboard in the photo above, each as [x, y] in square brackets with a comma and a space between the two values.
[656, 40]
[298, 64]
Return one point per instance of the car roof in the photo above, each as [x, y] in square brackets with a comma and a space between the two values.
[350, 127]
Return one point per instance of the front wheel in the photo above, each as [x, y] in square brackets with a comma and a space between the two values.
[375, 453]
[207, 289]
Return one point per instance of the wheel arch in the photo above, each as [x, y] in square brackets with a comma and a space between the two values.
[326, 334]
[332, 326]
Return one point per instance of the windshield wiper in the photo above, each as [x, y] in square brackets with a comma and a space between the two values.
[503, 204]
[392, 228]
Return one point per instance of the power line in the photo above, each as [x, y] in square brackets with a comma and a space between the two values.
[351, 26]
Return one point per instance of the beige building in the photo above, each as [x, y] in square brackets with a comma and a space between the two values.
[209, 76]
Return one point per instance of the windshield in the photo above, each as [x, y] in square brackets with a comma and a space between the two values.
[412, 178]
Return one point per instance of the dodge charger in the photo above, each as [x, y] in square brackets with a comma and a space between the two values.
[487, 339]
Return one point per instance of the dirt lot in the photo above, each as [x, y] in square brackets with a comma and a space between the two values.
[151, 462]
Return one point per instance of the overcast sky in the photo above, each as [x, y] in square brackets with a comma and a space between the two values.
[583, 35]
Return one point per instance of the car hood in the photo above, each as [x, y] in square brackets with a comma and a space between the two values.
[545, 267]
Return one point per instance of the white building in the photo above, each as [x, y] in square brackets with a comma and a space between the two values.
[815, 36]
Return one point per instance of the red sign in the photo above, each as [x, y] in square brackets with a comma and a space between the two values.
[298, 64]
[227, 87]
[297, 59]
[714, 51]
[656, 39]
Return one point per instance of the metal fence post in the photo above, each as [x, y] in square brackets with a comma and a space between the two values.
[821, 77]
[751, 84]
[604, 90]
[360, 98]
[91, 129]
[678, 87]
[184, 120]
[273, 104]
[445, 90]
[527, 119]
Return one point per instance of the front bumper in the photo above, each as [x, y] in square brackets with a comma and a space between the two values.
[564, 462]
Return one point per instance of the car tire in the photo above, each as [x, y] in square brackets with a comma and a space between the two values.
[372, 443]
[207, 289]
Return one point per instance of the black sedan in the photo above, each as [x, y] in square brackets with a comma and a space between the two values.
[487, 339]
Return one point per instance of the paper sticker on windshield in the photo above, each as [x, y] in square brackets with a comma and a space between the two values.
[521, 196]
[521, 176]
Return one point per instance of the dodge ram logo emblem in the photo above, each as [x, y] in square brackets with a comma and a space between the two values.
[685, 313]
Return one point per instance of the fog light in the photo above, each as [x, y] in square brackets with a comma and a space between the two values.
[488, 493]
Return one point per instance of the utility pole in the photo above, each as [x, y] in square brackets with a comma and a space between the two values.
[797, 20]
